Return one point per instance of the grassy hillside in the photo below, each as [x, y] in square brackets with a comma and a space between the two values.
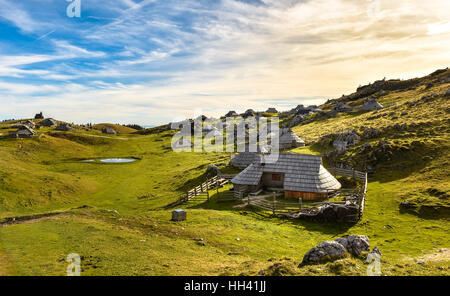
[120, 129]
[115, 215]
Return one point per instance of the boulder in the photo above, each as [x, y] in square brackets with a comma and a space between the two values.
[211, 171]
[331, 213]
[327, 250]
[371, 132]
[355, 244]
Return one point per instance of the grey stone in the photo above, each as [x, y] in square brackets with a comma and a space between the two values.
[327, 250]
[355, 244]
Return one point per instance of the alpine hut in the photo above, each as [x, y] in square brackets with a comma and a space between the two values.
[39, 116]
[271, 110]
[231, 114]
[49, 122]
[64, 127]
[248, 113]
[298, 175]
[23, 132]
[244, 159]
[289, 139]
[109, 130]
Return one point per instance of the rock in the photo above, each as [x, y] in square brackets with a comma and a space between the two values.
[342, 107]
[327, 250]
[330, 212]
[211, 171]
[401, 127]
[355, 244]
[376, 250]
[369, 133]
[421, 262]
[261, 272]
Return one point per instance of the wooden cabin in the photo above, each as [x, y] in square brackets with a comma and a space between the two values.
[298, 175]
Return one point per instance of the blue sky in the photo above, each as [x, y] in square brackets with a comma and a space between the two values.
[152, 62]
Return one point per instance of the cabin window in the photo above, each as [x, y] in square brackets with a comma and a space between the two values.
[276, 177]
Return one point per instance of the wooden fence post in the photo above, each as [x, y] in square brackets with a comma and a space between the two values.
[207, 195]
[273, 211]
[300, 201]
[217, 185]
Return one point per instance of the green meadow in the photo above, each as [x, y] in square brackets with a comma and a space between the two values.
[117, 218]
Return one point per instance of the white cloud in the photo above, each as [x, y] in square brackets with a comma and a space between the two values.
[237, 56]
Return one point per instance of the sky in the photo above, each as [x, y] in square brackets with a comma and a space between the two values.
[152, 62]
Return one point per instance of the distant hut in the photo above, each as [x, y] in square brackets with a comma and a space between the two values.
[271, 110]
[289, 139]
[109, 130]
[23, 132]
[298, 175]
[244, 159]
[371, 104]
[49, 122]
[231, 114]
[248, 113]
[30, 124]
[39, 116]
[64, 127]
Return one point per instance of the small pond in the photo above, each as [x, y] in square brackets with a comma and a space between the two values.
[111, 160]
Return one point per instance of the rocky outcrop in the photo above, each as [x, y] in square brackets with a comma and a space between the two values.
[370, 132]
[355, 244]
[342, 107]
[212, 171]
[332, 250]
[326, 251]
[331, 212]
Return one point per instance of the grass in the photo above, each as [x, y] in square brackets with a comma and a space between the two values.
[125, 228]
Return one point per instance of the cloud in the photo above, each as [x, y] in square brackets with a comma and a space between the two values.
[157, 59]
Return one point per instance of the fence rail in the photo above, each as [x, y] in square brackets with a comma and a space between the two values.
[356, 195]
[203, 189]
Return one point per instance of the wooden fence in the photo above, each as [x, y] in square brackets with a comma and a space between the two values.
[357, 196]
[203, 189]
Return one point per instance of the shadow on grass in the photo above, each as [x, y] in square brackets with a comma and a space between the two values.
[334, 229]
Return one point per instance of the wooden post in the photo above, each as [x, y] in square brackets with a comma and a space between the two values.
[207, 195]
[217, 185]
[273, 211]
[248, 199]
[195, 191]
[300, 203]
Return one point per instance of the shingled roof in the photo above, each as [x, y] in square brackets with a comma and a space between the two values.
[302, 172]
[244, 159]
